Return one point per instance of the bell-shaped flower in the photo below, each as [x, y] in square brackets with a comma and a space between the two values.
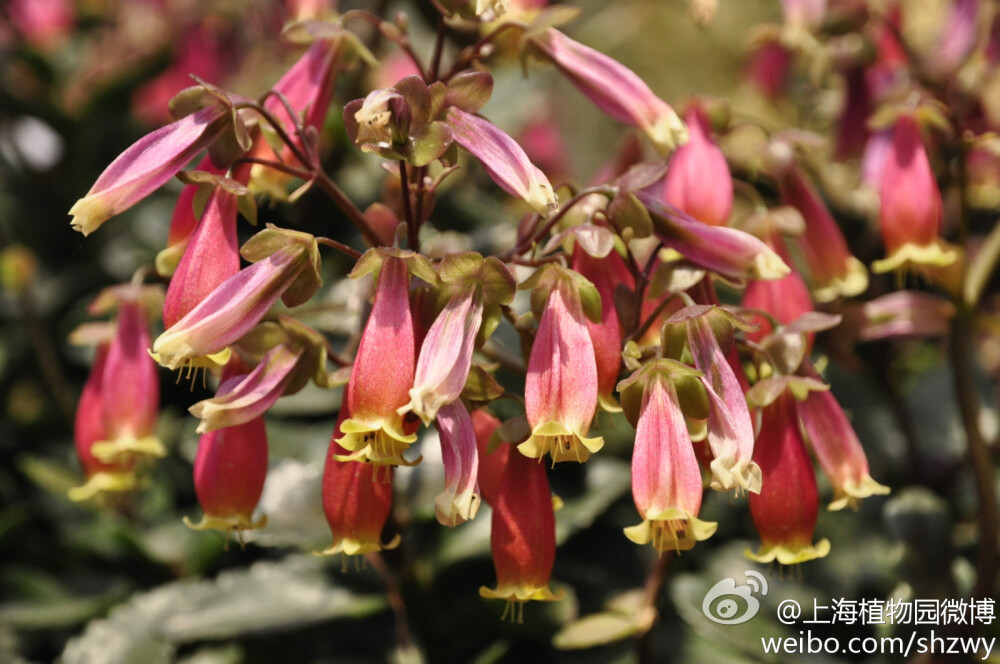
[504, 160]
[523, 537]
[101, 476]
[446, 354]
[229, 472]
[906, 314]
[383, 370]
[244, 397]
[147, 165]
[786, 509]
[836, 447]
[130, 389]
[357, 498]
[560, 389]
[287, 266]
[729, 252]
[834, 271]
[698, 181]
[211, 255]
[784, 300]
[910, 209]
[666, 479]
[460, 499]
[491, 463]
[613, 88]
[730, 428]
[605, 334]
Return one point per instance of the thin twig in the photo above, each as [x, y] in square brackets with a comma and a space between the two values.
[412, 226]
[339, 246]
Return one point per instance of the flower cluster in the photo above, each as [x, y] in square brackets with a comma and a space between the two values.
[619, 308]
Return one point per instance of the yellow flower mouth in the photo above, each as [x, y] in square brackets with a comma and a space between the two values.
[238, 523]
[561, 442]
[790, 553]
[517, 596]
[124, 447]
[349, 547]
[938, 254]
[671, 530]
[382, 443]
[104, 482]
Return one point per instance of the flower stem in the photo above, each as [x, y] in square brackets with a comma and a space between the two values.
[650, 592]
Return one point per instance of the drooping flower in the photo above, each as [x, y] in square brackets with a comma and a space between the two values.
[698, 180]
[101, 476]
[245, 397]
[605, 334]
[460, 500]
[906, 313]
[786, 509]
[834, 271]
[130, 389]
[380, 379]
[523, 537]
[613, 88]
[504, 160]
[446, 354]
[836, 446]
[211, 255]
[147, 165]
[666, 480]
[785, 299]
[229, 471]
[491, 464]
[287, 266]
[560, 389]
[910, 210]
[357, 498]
[730, 428]
[729, 252]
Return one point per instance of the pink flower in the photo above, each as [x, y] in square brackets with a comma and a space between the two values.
[614, 88]
[240, 302]
[381, 378]
[357, 498]
[666, 480]
[523, 537]
[834, 271]
[446, 354]
[560, 390]
[729, 252]
[147, 165]
[837, 447]
[229, 471]
[730, 428]
[242, 398]
[910, 211]
[210, 258]
[787, 506]
[504, 160]
[491, 464]
[88, 429]
[906, 314]
[698, 180]
[606, 335]
[130, 390]
[460, 500]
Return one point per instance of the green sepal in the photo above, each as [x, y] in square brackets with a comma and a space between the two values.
[683, 378]
[352, 49]
[767, 391]
[481, 385]
[597, 241]
[312, 364]
[415, 92]
[552, 16]
[371, 261]
[630, 214]
[673, 277]
[427, 142]
[723, 321]
[553, 275]
[470, 90]
[273, 239]
[208, 182]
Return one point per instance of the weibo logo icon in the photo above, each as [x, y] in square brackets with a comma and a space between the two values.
[729, 604]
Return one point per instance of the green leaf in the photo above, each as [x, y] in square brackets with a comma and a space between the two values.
[629, 213]
[599, 629]
[481, 385]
